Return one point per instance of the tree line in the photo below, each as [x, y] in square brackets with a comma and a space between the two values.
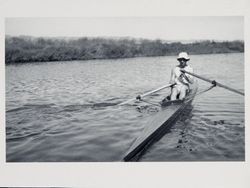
[36, 49]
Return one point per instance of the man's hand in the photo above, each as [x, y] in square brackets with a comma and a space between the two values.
[181, 77]
[182, 70]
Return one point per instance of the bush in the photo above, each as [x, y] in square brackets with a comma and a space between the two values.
[30, 49]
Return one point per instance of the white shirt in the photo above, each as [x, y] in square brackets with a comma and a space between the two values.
[176, 75]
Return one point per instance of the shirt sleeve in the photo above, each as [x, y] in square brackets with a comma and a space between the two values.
[177, 72]
[172, 78]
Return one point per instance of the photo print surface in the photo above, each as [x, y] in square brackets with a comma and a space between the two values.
[124, 89]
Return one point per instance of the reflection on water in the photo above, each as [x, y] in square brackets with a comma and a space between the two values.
[66, 111]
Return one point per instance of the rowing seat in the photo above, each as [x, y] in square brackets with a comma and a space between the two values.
[166, 101]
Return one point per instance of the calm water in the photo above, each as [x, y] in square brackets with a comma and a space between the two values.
[65, 111]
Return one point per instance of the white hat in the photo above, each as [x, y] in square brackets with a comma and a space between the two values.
[183, 55]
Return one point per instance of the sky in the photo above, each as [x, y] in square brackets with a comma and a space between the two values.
[164, 28]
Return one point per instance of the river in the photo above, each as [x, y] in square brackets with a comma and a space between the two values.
[67, 112]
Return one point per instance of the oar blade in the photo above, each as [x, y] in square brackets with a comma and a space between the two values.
[126, 102]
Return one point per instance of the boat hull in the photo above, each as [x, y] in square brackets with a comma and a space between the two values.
[162, 122]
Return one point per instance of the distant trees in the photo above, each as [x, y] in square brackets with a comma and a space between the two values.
[30, 49]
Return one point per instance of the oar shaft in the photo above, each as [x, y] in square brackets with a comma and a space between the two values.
[156, 90]
[212, 82]
[146, 94]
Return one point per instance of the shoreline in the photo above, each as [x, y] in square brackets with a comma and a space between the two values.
[40, 62]
[20, 50]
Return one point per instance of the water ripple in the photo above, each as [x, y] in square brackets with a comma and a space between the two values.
[58, 115]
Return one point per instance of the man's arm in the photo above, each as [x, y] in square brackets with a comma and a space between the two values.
[172, 78]
[189, 78]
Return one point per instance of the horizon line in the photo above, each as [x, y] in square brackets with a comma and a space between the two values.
[127, 37]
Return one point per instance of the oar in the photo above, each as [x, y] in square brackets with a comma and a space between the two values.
[214, 82]
[146, 94]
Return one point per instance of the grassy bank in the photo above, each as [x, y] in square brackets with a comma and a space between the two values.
[30, 49]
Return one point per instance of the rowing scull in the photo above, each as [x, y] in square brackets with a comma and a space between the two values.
[163, 120]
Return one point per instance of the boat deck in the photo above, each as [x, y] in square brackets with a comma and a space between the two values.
[162, 121]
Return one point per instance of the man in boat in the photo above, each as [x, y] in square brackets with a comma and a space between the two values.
[181, 80]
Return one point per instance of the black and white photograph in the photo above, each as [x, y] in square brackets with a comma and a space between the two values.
[128, 94]
[125, 89]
